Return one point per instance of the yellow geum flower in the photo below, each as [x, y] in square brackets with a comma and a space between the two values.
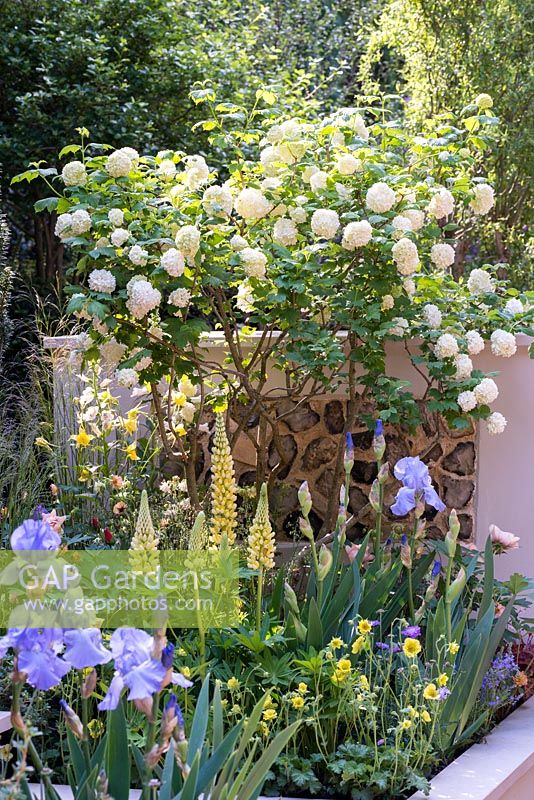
[260, 540]
[268, 702]
[443, 679]
[430, 692]
[425, 716]
[269, 714]
[406, 724]
[297, 702]
[96, 728]
[82, 438]
[186, 672]
[413, 712]
[453, 648]
[411, 647]
[336, 643]
[344, 665]
[364, 683]
[302, 688]
[358, 645]
[233, 684]
[223, 487]
[364, 626]
[131, 452]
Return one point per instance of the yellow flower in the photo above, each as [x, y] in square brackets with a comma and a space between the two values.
[453, 648]
[411, 647]
[130, 424]
[425, 716]
[42, 442]
[180, 430]
[364, 626]
[260, 541]
[131, 452]
[96, 728]
[358, 645]
[431, 692]
[364, 683]
[264, 729]
[82, 438]
[443, 679]
[233, 684]
[85, 474]
[235, 709]
[105, 396]
[268, 702]
[344, 665]
[223, 487]
[412, 712]
[186, 672]
[269, 714]
[406, 724]
[302, 688]
[336, 643]
[181, 652]
[297, 702]
[179, 399]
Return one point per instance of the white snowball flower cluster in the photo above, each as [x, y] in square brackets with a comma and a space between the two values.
[400, 326]
[254, 262]
[102, 280]
[180, 298]
[297, 214]
[137, 255]
[126, 377]
[416, 217]
[173, 262]
[357, 124]
[81, 222]
[347, 164]
[325, 223]
[408, 285]
[166, 168]
[318, 180]
[405, 256]
[63, 226]
[496, 423]
[380, 198]
[74, 174]
[245, 298]
[402, 223]
[217, 200]
[483, 198]
[119, 164]
[238, 242]
[446, 346]
[486, 391]
[187, 412]
[475, 343]
[111, 352]
[480, 282]
[356, 234]
[467, 401]
[252, 204]
[143, 297]
[196, 171]
[514, 306]
[442, 255]
[187, 240]
[484, 101]
[119, 237]
[388, 301]
[441, 204]
[503, 344]
[116, 217]
[285, 232]
[464, 367]
[432, 315]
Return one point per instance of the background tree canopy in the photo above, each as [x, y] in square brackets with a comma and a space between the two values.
[124, 69]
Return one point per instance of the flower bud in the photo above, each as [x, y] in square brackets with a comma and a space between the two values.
[374, 496]
[452, 534]
[89, 684]
[72, 719]
[300, 629]
[383, 474]
[291, 598]
[379, 443]
[348, 461]
[305, 498]
[405, 552]
[325, 563]
[305, 528]
[456, 586]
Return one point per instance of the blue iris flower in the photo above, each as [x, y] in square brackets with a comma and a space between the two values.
[84, 648]
[35, 535]
[417, 485]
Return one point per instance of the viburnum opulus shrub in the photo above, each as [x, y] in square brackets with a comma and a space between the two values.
[343, 224]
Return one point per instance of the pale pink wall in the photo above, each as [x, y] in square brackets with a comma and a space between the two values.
[505, 484]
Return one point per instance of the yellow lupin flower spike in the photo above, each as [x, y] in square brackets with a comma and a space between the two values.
[223, 487]
[199, 535]
[144, 544]
[260, 543]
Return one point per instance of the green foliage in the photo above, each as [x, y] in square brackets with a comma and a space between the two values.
[445, 54]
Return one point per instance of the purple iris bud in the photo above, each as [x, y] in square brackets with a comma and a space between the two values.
[404, 539]
[38, 512]
[180, 717]
[34, 535]
[436, 569]
[349, 444]
[388, 542]
[85, 649]
[348, 460]
[167, 656]
[379, 428]
[417, 485]
[171, 703]
[413, 631]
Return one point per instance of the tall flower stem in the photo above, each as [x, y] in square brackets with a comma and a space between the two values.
[18, 725]
[150, 740]
[85, 724]
[259, 597]
[448, 604]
